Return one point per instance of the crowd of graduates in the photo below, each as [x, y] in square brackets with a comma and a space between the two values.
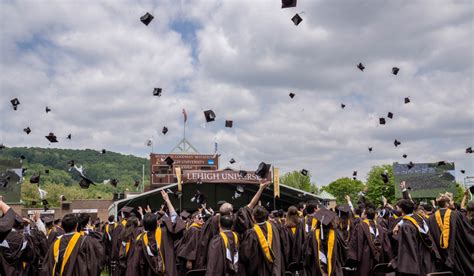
[408, 238]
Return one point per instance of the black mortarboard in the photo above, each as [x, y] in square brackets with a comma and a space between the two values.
[325, 216]
[157, 92]
[343, 105]
[2, 146]
[345, 208]
[463, 171]
[46, 171]
[471, 189]
[62, 198]
[404, 155]
[23, 170]
[242, 173]
[22, 157]
[169, 161]
[137, 183]
[407, 100]
[229, 123]
[33, 203]
[304, 172]
[103, 151]
[69, 136]
[292, 95]
[126, 210]
[232, 161]
[15, 103]
[296, 19]
[382, 121]
[263, 170]
[71, 163]
[4, 180]
[210, 115]
[397, 143]
[390, 115]
[410, 165]
[370, 149]
[385, 177]
[469, 150]
[45, 204]
[395, 70]
[441, 163]
[361, 66]
[35, 179]
[164, 130]
[48, 109]
[47, 220]
[114, 182]
[27, 130]
[52, 138]
[85, 182]
[146, 19]
[184, 214]
[288, 3]
[354, 173]
[198, 197]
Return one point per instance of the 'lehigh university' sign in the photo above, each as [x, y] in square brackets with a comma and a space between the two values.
[227, 176]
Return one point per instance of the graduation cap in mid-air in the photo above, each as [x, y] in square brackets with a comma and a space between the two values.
[198, 197]
[390, 115]
[292, 95]
[22, 157]
[370, 149]
[103, 151]
[232, 161]
[85, 182]
[242, 173]
[146, 19]
[296, 19]
[137, 183]
[164, 130]
[343, 209]
[27, 130]
[2, 146]
[35, 179]
[169, 161]
[354, 174]
[385, 176]
[405, 155]
[69, 136]
[15, 103]
[239, 190]
[114, 182]
[304, 172]
[471, 189]
[52, 138]
[463, 171]
[288, 4]
[469, 150]
[45, 204]
[407, 100]
[410, 165]
[33, 203]
[210, 115]
[46, 171]
[229, 123]
[382, 121]
[441, 163]
[397, 143]
[361, 66]
[47, 109]
[343, 105]
[71, 163]
[62, 198]
[395, 70]
[263, 170]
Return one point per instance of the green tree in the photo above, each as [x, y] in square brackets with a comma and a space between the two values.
[459, 192]
[344, 186]
[376, 186]
[299, 181]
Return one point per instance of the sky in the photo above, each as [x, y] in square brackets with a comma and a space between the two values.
[95, 65]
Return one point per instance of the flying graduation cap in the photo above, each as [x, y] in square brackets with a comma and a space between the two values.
[361, 66]
[27, 130]
[103, 151]
[288, 4]
[410, 165]
[343, 105]
[397, 143]
[164, 130]
[114, 182]
[45, 204]
[292, 95]
[146, 19]
[242, 173]
[232, 161]
[296, 19]
[382, 121]
[229, 123]
[15, 103]
[239, 190]
[407, 100]
[85, 182]
[69, 136]
[169, 161]
[404, 155]
[210, 115]
[390, 115]
[198, 197]
[35, 179]
[395, 70]
[304, 172]
[463, 171]
[137, 183]
[385, 177]
[370, 149]
[157, 92]
[71, 163]
[47, 109]
[263, 170]
[469, 150]
[52, 138]
[441, 163]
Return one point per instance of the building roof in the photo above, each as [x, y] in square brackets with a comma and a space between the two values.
[326, 196]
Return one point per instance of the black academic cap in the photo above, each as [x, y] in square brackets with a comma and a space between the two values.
[354, 173]
[304, 172]
[48, 109]
[292, 95]
[52, 138]
[395, 70]
[85, 182]
[229, 123]
[33, 203]
[344, 208]
[45, 204]
[404, 156]
[71, 163]
[242, 173]
[23, 170]
[370, 149]
[463, 171]
[385, 177]
[410, 165]
[2, 146]
[62, 198]
[169, 161]
[210, 115]
[146, 19]
[137, 183]
[35, 179]
[361, 66]
[22, 157]
[407, 100]
[46, 171]
[382, 121]
[114, 182]
[126, 210]
[325, 216]
[103, 151]
[27, 130]
[47, 220]
[469, 150]
[263, 170]
[441, 163]
[164, 130]
[15, 103]
[343, 105]
[397, 143]
[69, 136]
[157, 92]
[198, 197]
[240, 188]
[184, 214]
[390, 115]
[296, 19]
[232, 161]
[471, 189]
[288, 3]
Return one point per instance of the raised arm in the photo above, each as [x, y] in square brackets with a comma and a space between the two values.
[464, 199]
[257, 196]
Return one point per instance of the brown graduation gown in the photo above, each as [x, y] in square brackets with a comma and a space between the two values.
[6, 223]
[54, 234]
[208, 231]
[187, 248]
[253, 258]
[15, 259]
[292, 244]
[218, 264]
[82, 260]
[457, 257]
[40, 245]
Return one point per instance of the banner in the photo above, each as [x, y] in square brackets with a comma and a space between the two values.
[178, 176]
[226, 176]
[276, 182]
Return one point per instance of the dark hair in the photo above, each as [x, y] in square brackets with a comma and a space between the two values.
[470, 210]
[311, 206]
[370, 212]
[83, 220]
[300, 205]
[127, 233]
[442, 202]
[150, 222]
[407, 206]
[111, 218]
[292, 218]
[226, 222]
[260, 214]
[69, 223]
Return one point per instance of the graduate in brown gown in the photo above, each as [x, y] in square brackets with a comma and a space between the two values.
[85, 229]
[153, 253]
[325, 250]
[223, 254]
[370, 244]
[188, 245]
[16, 251]
[6, 221]
[453, 236]
[71, 253]
[415, 253]
[40, 245]
[54, 232]
[125, 213]
[309, 221]
[127, 241]
[107, 233]
[260, 250]
[292, 238]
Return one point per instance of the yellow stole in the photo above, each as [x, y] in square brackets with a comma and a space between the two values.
[124, 222]
[107, 227]
[293, 230]
[444, 227]
[266, 244]
[226, 240]
[158, 243]
[412, 220]
[67, 253]
[331, 240]
[196, 225]
[313, 222]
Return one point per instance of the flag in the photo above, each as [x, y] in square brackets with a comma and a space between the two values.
[178, 176]
[185, 115]
[276, 182]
